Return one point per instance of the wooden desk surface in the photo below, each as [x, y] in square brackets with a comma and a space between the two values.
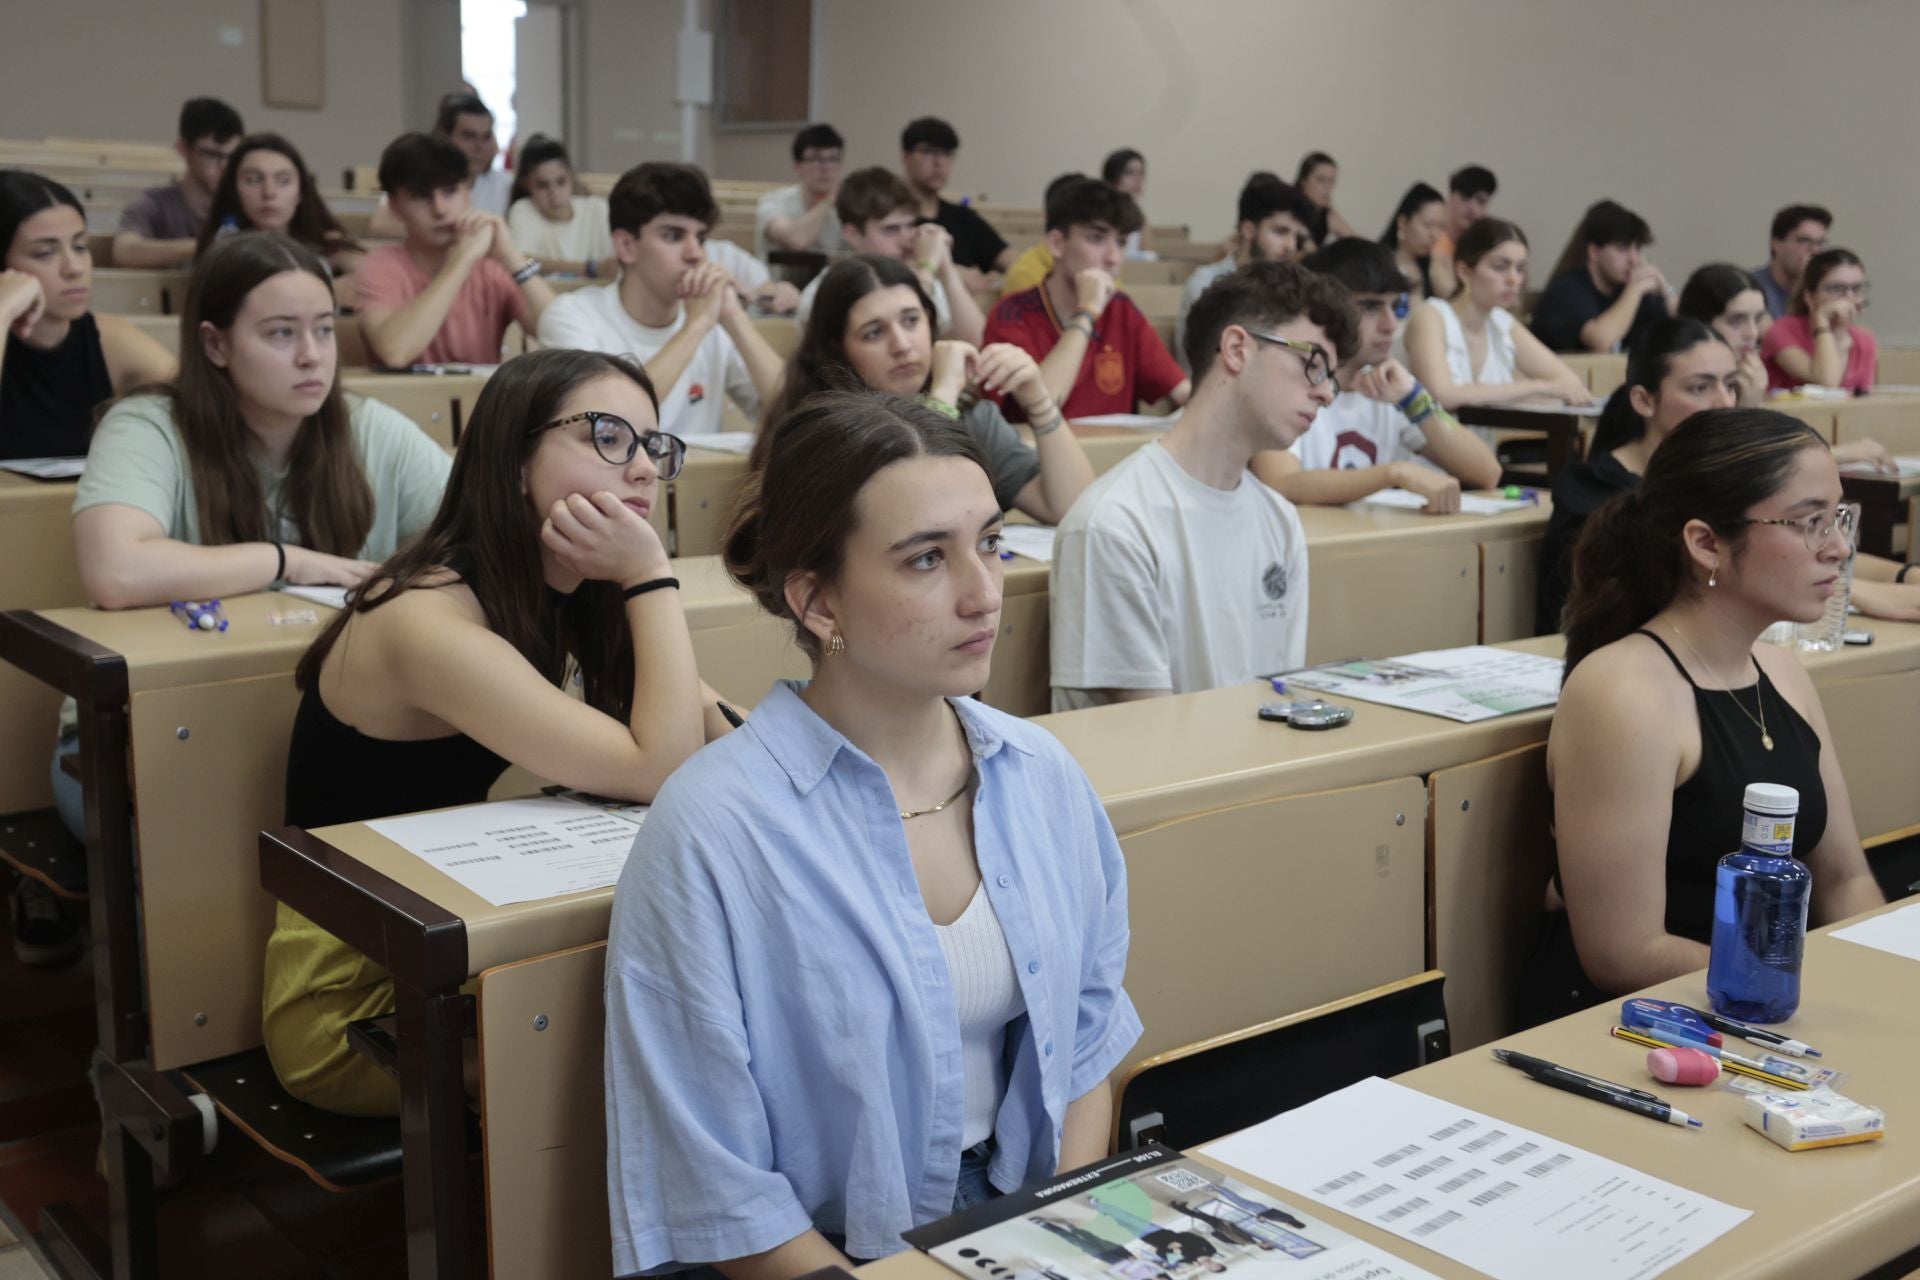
[1364, 526]
[23, 493]
[711, 598]
[162, 653]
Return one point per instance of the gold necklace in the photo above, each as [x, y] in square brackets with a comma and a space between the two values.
[1766, 739]
[921, 813]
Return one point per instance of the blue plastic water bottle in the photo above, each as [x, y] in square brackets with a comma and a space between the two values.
[1760, 913]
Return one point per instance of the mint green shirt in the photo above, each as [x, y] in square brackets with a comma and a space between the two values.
[137, 459]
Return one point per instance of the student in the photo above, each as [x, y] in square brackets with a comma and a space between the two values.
[449, 291]
[1678, 369]
[1818, 340]
[1383, 430]
[1315, 180]
[453, 664]
[877, 216]
[1469, 349]
[551, 219]
[671, 309]
[1603, 293]
[1469, 191]
[162, 226]
[465, 122]
[874, 321]
[932, 996]
[1671, 707]
[1104, 357]
[1031, 267]
[1126, 170]
[58, 360]
[926, 157]
[1726, 300]
[1271, 226]
[1418, 225]
[1799, 231]
[801, 217]
[1178, 570]
[267, 187]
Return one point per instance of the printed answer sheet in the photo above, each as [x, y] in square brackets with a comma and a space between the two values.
[1895, 932]
[1471, 504]
[1515, 1204]
[521, 850]
[1034, 541]
[1476, 682]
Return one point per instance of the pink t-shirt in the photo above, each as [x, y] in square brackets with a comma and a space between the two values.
[476, 322]
[1863, 360]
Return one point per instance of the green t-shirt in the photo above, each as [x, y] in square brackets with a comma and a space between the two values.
[138, 460]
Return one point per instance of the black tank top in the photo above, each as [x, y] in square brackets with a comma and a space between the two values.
[335, 773]
[1707, 807]
[47, 397]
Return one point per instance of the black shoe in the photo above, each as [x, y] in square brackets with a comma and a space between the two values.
[44, 935]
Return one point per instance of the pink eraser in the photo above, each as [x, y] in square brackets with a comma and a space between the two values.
[1683, 1066]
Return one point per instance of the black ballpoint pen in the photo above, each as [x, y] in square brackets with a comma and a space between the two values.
[1638, 1101]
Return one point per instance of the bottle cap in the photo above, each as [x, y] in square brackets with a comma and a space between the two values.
[1771, 797]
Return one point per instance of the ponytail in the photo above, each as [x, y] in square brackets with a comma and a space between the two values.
[1622, 575]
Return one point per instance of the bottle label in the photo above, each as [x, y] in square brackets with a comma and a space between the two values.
[1768, 833]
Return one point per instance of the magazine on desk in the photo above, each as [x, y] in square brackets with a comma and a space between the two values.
[1151, 1214]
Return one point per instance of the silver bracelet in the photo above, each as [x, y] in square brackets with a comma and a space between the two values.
[1050, 426]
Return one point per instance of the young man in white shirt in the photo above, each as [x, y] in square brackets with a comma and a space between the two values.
[1178, 570]
[672, 309]
[878, 215]
[1272, 227]
[801, 217]
[1384, 430]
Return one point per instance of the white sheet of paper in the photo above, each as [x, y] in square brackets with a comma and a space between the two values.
[1140, 421]
[332, 597]
[46, 468]
[723, 442]
[1477, 682]
[1897, 932]
[1034, 541]
[1471, 504]
[521, 850]
[1556, 406]
[1515, 1204]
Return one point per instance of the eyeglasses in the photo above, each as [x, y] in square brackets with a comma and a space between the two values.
[1838, 290]
[1313, 355]
[216, 155]
[1820, 526]
[1400, 306]
[824, 159]
[616, 441]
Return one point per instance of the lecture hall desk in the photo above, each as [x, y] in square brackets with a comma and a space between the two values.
[1823, 1214]
[37, 573]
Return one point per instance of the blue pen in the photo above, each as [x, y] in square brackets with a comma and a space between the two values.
[1279, 685]
[196, 616]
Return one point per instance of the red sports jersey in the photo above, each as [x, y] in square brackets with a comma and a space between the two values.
[1126, 363]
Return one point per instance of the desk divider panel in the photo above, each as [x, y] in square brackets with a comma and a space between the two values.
[35, 523]
[1900, 366]
[1489, 849]
[703, 500]
[1872, 721]
[1106, 448]
[1383, 601]
[1894, 422]
[544, 1124]
[1020, 683]
[1246, 913]
[1509, 587]
[426, 400]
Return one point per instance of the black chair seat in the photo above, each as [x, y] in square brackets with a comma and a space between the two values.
[338, 1152]
[38, 844]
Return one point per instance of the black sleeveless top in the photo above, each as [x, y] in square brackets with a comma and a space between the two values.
[47, 397]
[1707, 808]
[335, 773]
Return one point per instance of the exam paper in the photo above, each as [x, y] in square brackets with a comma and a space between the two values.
[1140, 421]
[46, 468]
[521, 850]
[1897, 932]
[1515, 1204]
[1470, 504]
[740, 442]
[1477, 682]
[332, 597]
[1034, 541]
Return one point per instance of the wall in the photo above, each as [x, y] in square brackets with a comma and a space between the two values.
[1690, 113]
[120, 69]
[628, 55]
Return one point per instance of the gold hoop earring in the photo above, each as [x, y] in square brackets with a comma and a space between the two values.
[836, 644]
[1713, 580]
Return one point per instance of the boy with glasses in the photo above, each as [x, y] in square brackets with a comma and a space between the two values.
[877, 216]
[161, 227]
[1799, 231]
[1097, 352]
[801, 217]
[672, 309]
[1383, 430]
[926, 157]
[1178, 570]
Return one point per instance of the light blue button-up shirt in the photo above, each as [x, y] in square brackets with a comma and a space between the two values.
[782, 1047]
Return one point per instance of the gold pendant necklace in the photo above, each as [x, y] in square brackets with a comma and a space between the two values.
[921, 813]
[1766, 739]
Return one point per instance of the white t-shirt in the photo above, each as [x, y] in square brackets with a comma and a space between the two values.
[491, 191]
[592, 319]
[1196, 285]
[747, 271]
[1163, 582]
[586, 237]
[791, 202]
[942, 309]
[1358, 431]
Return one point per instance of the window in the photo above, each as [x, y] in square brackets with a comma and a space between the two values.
[487, 56]
[765, 52]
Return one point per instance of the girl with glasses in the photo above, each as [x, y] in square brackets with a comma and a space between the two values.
[539, 572]
[1671, 706]
[1818, 341]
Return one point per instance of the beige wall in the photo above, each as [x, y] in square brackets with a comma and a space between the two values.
[1686, 112]
[121, 68]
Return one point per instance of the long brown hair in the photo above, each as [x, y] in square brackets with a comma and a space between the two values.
[1630, 562]
[313, 223]
[488, 532]
[1819, 267]
[327, 494]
